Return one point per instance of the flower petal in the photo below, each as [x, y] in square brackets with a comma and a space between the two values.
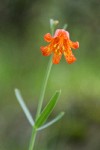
[67, 34]
[57, 33]
[48, 37]
[62, 33]
[74, 45]
[46, 51]
[56, 58]
[70, 58]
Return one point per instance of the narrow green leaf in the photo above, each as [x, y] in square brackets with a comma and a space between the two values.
[24, 107]
[65, 26]
[47, 110]
[58, 117]
[51, 22]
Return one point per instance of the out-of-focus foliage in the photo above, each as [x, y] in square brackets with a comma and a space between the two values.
[22, 26]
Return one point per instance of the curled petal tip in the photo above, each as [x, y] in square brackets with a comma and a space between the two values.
[76, 44]
[48, 37]
[56, 58]
[70, 58]
[45, 50]
[70, 61]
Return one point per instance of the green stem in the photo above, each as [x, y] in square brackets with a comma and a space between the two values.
[33, 137]
[34, 131]
[44, 88]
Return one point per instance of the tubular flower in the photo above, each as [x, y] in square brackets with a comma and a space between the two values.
[60, 44]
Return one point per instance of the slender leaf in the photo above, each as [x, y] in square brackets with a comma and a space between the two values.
[24, 107]
[51, 22]
[52, 122]
[65, 26]
[47, 110]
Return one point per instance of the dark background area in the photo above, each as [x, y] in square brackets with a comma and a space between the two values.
[23, 24]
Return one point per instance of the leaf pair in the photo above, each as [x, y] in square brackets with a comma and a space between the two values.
[47, 111]
[44, 114]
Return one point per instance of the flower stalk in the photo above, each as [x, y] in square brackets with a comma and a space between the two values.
[34, 130]
[59, 43]
[43, 89]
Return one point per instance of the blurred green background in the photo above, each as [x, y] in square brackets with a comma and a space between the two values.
[23, 24]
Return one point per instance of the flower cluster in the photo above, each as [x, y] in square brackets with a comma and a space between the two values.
[60, 44]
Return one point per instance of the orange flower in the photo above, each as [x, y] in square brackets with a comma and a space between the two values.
[60, 44]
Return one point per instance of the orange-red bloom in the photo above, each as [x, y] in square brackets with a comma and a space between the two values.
[60, 44]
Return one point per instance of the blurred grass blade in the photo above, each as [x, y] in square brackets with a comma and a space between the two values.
[47, 110]
[24, 107]
[59, 116]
